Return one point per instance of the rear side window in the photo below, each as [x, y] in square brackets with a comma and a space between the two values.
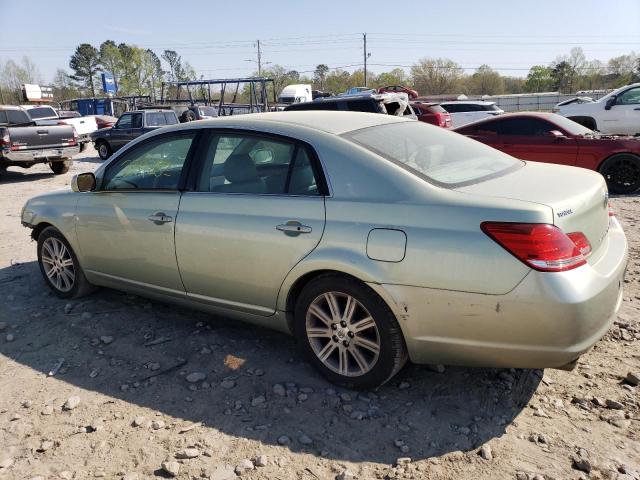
[158, 119]
[517, 126]
[41, 112]
[17, 117]
[250, 164]
[314, 106]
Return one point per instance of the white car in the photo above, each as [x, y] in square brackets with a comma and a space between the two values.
[467, 111]
[47, 115]
[617, 113]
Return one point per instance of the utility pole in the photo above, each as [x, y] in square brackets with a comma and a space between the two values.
[364, 37]
[259, 59]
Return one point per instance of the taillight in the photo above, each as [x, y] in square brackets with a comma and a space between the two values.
[5, 139]
[75, 137]
[439, 119]
[541, 246]
[612, 213]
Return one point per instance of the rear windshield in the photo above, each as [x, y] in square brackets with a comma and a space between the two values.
[157, 119]
[41, 112]
[439, 156]
[208, 111]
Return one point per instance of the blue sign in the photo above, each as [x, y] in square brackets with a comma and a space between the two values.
[109, 83]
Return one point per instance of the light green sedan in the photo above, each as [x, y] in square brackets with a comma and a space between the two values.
[371, 238]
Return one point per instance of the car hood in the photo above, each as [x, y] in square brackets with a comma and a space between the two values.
[578, 197]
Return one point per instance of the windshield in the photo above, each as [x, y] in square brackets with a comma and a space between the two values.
[207, 111]
[570, 126]
[286, 99]
[42, 112]
[443, 157]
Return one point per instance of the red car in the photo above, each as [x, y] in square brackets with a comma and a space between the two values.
[551, 138]
[432, 113]
[398, 88]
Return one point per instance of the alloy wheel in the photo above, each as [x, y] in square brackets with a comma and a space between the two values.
[343, 334]
[623, 172]
[58, 264]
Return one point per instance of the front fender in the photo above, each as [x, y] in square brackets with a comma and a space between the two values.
[57, 210]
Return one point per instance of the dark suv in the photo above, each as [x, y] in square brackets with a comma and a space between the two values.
[386, 103]
[130, 126]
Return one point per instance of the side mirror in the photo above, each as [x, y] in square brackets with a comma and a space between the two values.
[83, 182]
[557, 134]
[610, 103]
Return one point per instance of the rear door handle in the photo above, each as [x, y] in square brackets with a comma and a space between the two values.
[160, 217]
[293, 227]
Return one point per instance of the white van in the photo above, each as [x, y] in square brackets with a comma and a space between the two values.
[295, 94]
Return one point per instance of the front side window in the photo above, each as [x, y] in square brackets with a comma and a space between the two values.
[124, 122]
[630, 97]
[238, 163]
[435, 154]
[153, 165]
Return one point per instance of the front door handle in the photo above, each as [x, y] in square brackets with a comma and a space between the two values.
[293, 227]
[159, 218]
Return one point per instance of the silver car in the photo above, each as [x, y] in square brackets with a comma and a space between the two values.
[371, 238]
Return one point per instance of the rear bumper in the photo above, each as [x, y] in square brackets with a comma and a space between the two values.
[547, 320]
[17, 157]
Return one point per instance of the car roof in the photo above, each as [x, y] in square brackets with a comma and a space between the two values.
[472, 102]
[543, 115]
[335, 123]
[11, 107]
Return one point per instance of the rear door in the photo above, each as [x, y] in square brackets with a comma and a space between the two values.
[126, 228]
[257, 209]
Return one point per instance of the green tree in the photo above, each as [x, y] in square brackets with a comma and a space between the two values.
[13, 75]
[111, 59]
[85, 63]
[539, 79]
[63, 86]
[485, 81]
[175, 64]
[436, 76]
[397, 76]
[320, 74]
[563, 75]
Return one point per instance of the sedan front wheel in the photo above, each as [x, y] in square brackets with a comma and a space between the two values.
[59, 265]
[348, 332]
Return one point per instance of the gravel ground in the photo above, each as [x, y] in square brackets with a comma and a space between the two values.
[147, 390]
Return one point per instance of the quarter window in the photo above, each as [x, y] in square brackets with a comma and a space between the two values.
[153, 165]
[253, 164]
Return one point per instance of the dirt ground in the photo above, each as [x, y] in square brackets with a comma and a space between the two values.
[121, 403]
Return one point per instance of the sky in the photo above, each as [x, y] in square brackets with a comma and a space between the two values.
[219, 38]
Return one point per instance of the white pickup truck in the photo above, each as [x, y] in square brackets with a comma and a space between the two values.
[617, 113]
[47, 115]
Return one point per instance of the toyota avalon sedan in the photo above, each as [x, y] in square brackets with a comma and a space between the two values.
[371, 238]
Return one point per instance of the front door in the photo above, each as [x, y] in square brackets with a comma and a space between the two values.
[126, 227]
[258, 209]
[119, 134]
[623, 118]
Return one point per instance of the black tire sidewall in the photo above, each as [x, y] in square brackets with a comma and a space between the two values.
[106, 145]
[614, 188]
[60, 167]
[79, 275]
[382, 315]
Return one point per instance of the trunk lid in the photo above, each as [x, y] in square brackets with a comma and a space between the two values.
[577, 197]
[40, 136]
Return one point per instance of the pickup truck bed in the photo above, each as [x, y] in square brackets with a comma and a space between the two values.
[24, 144]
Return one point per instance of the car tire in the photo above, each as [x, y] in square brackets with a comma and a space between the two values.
[58, 168]
[60, 267]
[622, 173]
[104, 150]
[361, 349]
[83, 146]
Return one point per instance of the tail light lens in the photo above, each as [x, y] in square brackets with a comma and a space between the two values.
[542, 247]
[5, 139]
[612, 213]
[75, 137]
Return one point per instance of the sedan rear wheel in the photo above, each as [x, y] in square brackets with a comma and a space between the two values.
[349, 332]
[622, 173]
[59, 265]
